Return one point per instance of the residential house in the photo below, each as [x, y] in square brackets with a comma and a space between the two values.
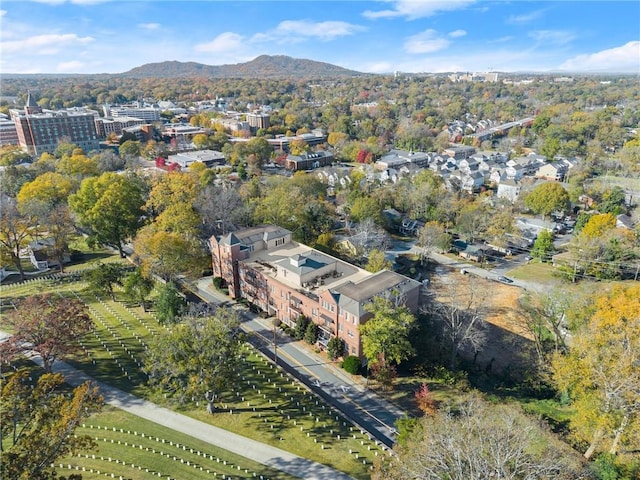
[474, 253]
[515, 171]
[509, 189]
[552, 171]
[468, 165]
[531, 227]
[41, 254]
[472, 181]
[397, 158]
[287, 279]
[624, 221]
[497, 175]
[459, 151]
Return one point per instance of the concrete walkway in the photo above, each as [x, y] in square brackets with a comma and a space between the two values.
[246, 447]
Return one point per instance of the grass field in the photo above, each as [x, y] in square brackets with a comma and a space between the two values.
[132, 447]
[264, 404]
[536, 272]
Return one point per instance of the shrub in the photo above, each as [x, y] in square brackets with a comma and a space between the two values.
[335, 348]
[351, 364]
[218, 282]
[301, 327]
[311, 334]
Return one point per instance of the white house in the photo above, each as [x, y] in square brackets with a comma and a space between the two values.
[509, 189]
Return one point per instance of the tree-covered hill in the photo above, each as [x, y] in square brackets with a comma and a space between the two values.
[278, 66]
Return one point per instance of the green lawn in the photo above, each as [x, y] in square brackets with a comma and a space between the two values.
[132, 447]
[536, 272]
[263, 404]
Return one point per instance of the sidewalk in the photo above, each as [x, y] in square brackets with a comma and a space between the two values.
[246, 447]
[362, 406]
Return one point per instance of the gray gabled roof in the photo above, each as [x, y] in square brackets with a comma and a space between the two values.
[229, 239]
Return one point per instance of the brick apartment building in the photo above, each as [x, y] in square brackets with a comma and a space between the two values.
[287, 279]
[41, 130]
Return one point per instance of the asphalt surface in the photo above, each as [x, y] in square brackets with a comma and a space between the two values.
[354, 400]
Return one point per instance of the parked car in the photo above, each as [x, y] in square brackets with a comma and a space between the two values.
[504, 279]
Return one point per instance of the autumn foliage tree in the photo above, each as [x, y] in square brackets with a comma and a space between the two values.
[109, 207]
[424, 400]
[601, 374]
[547, 198]
[197, 357]
[49, 325]
[385, 336]
[38, 422]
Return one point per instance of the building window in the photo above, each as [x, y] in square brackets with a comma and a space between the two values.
[349, 334]
[279, 241]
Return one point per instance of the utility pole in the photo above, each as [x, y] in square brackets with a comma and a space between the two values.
[276, 324]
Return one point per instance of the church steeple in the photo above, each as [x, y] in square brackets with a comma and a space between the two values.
[32, 106]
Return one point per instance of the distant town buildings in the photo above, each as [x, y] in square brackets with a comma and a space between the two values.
[474, 77]
[105, 126]
[309, 160]
[136, 110]
[40, 130]
[208, 157]
[287, 279]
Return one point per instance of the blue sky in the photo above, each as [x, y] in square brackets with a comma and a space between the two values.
[112, 36]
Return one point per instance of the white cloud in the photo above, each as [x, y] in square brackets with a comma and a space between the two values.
[47, 44]
[73, 66]
[376, 67]
[3, 13]
[414, 9]
[298, 30]
[504, 39]
[149, 26]
[526, 17]
[224, 43]
[457, 33]
[625, 58]
[425, 42]
[552, 37]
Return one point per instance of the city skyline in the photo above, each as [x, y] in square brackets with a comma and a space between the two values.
[113, 36]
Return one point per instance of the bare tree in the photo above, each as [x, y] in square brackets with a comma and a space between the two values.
[544, 318]
[458, 311]
[433, 238]
[369, 236]
[221, 209]
[478, 441]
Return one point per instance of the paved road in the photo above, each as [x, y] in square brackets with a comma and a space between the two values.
[354, 400]
[246, 447]
[470, 268]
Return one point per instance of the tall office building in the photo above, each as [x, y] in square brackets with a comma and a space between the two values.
[258, 120]
[41, 130]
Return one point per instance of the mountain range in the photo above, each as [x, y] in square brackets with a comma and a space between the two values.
[264, 66]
